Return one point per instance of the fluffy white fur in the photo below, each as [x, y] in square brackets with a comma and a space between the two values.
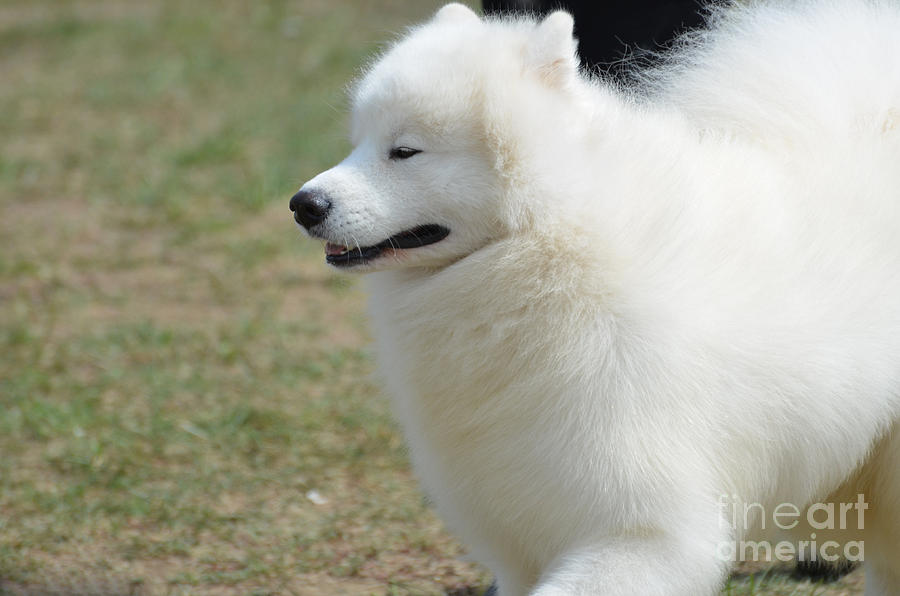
[648, 299]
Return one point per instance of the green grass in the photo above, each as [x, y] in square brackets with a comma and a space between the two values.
[778, 580]
[185, 404]
[179, 370]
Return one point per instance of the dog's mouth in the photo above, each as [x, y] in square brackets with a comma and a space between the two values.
[343, 256]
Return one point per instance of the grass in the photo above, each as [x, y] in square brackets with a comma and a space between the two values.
[779, 580]
[185, 404]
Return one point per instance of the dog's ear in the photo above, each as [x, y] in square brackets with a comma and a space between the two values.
[455, 13]
[552, 51]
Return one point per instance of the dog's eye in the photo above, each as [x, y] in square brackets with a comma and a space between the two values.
[403, 152]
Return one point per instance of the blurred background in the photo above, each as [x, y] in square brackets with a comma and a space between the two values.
[185, 395]
[185, 402]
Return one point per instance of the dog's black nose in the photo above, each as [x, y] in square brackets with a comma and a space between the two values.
[309, 208]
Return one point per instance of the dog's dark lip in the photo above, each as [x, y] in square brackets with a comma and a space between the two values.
[412, 238]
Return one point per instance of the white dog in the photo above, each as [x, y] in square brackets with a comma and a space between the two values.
[626, 329]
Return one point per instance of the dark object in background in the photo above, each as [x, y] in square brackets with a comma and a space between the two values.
[820, 571]
[609, 31]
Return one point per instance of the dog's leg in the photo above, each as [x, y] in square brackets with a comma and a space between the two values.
[648, 566]
[881, 580]
[882, 525]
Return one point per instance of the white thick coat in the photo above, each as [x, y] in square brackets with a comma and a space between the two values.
[649, 298]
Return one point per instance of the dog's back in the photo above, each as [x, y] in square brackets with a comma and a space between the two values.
[786, 70]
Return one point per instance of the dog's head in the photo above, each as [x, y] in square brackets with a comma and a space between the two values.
[443, 125]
